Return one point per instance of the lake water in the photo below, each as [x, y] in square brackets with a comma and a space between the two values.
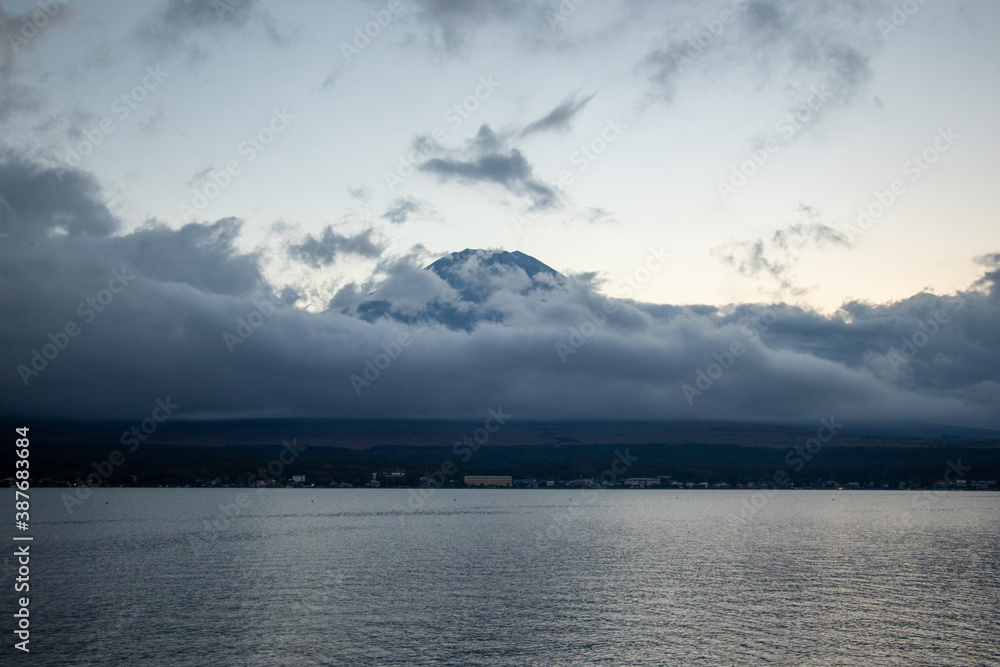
[495, 577]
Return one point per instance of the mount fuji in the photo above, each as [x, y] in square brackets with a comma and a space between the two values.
[478, 286]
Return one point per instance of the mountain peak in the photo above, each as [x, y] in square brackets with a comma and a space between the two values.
[477, 273]
[447, 266]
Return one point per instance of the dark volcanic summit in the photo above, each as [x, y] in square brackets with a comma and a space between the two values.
[479, 279]
[444, 267]
[464, 271]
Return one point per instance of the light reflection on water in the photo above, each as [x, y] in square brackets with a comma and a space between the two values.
[494, 577]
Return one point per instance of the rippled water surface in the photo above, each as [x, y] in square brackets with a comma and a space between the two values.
[493, 577]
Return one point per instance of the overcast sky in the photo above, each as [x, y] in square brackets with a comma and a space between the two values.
[228, 151]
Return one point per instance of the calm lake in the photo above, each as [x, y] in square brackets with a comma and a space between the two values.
[501, 577]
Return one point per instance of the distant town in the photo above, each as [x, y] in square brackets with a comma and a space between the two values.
[397, 480]
[389, 479]
[292, 464]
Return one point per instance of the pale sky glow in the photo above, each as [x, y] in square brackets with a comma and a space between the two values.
[656, 184]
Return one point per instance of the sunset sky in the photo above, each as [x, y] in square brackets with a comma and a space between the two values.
[693, 98]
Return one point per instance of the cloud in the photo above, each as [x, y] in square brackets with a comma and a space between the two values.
[52, 199]
[449, 25]
[796, 45]
[927, 358]
[23, 32]
[559, 118]
[194, 27]
[778, 255]
[330, 82]
[992, 262]
[155, 122]
[453, 29]
[361, 193]
[401, 210]
[989, 260]
[484, 159]
[323, 251]
[596, 215]
[665, 66]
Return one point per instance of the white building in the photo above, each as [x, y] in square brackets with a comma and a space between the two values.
[489, 480]
[641, 482]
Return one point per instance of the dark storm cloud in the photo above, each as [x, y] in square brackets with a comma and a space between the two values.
[928, 358]
[927, 343]
[323, 251]
[200, 255]
[53, 199]
[190, 26]
[484, 159]
[559, 118]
